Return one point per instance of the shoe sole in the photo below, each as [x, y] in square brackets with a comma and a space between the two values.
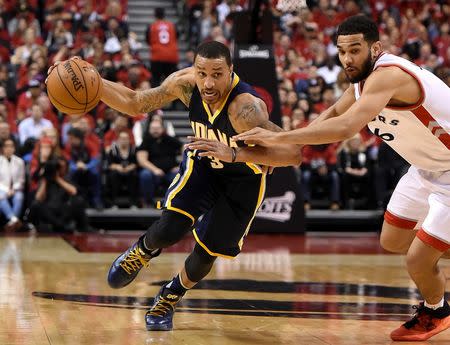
[159, 327]
[423, 337]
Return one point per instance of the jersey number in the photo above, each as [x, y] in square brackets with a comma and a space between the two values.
[215, 163]
[163, 36]
[384, 136]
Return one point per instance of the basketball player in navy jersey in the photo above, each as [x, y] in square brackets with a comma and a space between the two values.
[226, 192]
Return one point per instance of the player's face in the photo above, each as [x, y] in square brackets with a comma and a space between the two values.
[213, 78]
[356, 56]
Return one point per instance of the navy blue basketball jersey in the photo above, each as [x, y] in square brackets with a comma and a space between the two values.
[218, 126]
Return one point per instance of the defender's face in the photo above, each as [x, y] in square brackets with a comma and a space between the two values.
[213, 78]
[355, 56]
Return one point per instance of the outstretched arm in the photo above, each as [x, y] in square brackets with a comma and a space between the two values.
[178, 85]
[379, 89]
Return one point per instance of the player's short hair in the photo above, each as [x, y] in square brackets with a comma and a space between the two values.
[213, 50]
[359, 24]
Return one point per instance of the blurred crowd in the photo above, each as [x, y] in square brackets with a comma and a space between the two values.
[54, 166]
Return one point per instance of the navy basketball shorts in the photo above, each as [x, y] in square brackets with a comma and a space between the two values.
[227, 202]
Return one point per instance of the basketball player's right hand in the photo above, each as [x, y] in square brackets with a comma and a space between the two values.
[56, 64]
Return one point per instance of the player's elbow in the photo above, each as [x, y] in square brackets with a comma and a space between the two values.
[134, 104]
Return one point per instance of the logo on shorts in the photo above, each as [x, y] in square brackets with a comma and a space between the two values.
[278, 208]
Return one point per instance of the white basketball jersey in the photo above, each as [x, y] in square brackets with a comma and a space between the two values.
[419, 133]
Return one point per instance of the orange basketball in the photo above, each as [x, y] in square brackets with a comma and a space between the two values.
[74, 86]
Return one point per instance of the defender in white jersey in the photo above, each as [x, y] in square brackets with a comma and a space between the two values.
[408, 108]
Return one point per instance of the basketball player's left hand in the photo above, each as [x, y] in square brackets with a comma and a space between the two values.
[211, 148]
[258, 136]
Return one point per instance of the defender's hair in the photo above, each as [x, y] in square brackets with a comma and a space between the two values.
[213, 50]
[359, 24]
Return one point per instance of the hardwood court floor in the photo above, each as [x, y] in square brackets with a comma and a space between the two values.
[292, 290]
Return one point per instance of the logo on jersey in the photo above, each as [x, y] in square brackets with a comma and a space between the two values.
[202, 131]
[277, 208]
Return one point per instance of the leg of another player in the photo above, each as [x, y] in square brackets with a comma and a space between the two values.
[395, 239]
[398, 240]
[421, 261]
[433, 315]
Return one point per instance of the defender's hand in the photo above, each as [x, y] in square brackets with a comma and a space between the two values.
[210, 147]
[258, 136]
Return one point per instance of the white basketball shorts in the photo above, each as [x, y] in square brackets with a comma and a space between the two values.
[421, 201]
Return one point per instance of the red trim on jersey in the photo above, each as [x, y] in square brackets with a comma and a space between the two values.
[422, 90]
[425, 117]
[432, 241]
[399, 222]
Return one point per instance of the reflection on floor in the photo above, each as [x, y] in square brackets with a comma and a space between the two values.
[288, 289]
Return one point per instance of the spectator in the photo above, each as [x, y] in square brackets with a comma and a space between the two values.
[298, 119]
[33, 126]
[5, 133]
[157, 157]
[353, 162]
[330, 71]
[28, 98]
[22, 53]
[120, 125]
[50, 136]
[319, 169]
[57, 205]
[84, 167]
[162, 40]
[122, 167]
[12, 181]
[86, 125]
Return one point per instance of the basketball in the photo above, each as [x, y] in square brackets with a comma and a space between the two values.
[74, 87]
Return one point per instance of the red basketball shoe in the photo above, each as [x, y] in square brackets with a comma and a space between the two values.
[424, 324]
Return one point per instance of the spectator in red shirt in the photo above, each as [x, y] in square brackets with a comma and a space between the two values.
[162, 40]
[28, 98]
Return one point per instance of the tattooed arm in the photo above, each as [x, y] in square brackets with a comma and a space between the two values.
[178, 85]
[247, 112]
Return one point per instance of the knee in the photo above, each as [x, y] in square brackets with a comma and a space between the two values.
[334, 176]
[415, 264]
[396, 240]
[306, 176]
[168, 230]
[391, 245]
[77, 201]
[145, 174]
